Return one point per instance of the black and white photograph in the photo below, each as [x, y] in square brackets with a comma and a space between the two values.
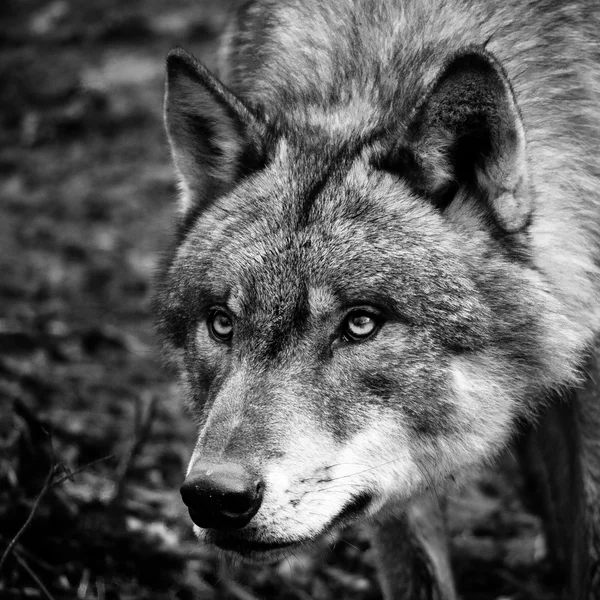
[300, 300]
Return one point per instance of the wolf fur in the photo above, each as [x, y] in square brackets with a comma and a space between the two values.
[435, 165]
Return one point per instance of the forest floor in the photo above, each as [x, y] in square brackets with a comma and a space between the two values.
[93, 437]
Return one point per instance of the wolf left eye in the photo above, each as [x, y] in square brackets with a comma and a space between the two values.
[359, 325]
[220, 326]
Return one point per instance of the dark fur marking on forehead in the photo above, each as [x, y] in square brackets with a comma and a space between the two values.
[287, 324]
[308, 199]
[327, 160]
[285, 313]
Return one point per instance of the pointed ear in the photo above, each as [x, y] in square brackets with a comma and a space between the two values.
[214, 137]
[468, 132]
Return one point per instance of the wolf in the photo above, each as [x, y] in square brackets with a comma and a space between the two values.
[386, 265]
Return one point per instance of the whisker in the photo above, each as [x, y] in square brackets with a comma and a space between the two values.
[367, 470]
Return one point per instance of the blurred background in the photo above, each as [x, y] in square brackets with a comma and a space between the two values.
[93, 437]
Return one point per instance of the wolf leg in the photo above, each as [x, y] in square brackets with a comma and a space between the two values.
[562, 455]
[413, 555]
[586, 558]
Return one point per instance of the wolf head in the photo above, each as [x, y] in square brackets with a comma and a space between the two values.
[355, 314]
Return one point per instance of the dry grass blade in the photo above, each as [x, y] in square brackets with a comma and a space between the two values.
[33, 576]
[34, 508]
[144, 417]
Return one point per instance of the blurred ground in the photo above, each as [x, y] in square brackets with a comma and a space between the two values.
[93, 439]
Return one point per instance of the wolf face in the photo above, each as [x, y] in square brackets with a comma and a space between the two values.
[356, 315]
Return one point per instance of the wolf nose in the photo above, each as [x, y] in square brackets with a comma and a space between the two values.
[222, 495]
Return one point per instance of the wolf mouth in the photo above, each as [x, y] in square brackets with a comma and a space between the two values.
[248, 548]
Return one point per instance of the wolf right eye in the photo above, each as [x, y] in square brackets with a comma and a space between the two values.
[220, 326]
[360, 325]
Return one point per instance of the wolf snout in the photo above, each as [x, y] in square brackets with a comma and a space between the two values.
[222, 496]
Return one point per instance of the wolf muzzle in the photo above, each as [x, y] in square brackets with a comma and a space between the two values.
[222, 496]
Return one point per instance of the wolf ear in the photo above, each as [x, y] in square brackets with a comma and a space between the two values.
[214, 137]
[468, 131]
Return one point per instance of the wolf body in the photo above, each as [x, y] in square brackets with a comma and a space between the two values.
[387, 262]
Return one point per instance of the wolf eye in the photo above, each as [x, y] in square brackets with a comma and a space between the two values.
[359, 325]
[220, 326]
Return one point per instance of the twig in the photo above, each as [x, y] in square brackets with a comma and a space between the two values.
[31, 515]
[48, 483]
[143, 425]
[29, 570]
[24, 553]
[70, 474]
